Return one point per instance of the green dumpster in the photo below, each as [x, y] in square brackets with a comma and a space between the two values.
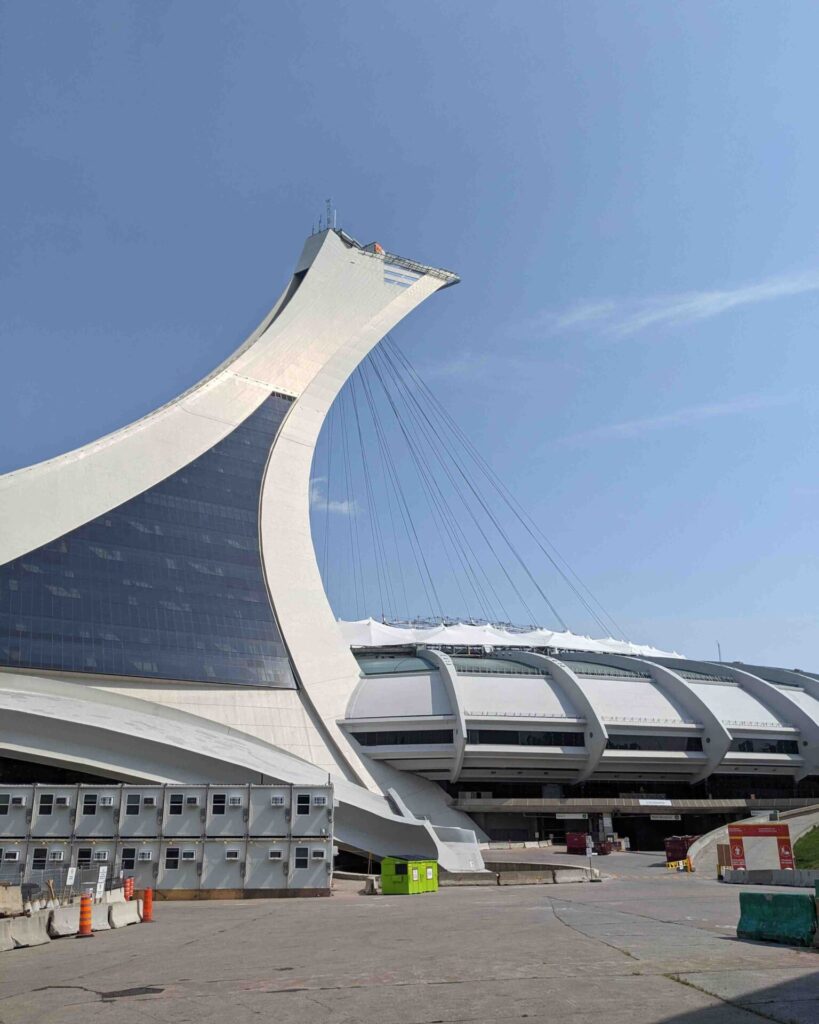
[400, 877]
[777, 917]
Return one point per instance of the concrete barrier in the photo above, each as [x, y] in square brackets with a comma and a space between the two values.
[571, 875]
[799, 878]
[122, 914]
[466, 877]
[115, 896]
[31, 931]
[543, 877]
[788, 918]
[11, 900]
[99, 917]
[64, 921]
[6, 941]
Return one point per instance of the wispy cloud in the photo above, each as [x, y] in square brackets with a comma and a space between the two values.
[686, 417]
[318, 500]
[461, 364]
[624, 318]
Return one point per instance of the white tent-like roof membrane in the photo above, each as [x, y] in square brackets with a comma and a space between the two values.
[372, 633]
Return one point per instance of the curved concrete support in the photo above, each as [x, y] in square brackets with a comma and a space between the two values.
[342, 310]
[595, 734]
[716, 738]
[786, 709]
[449, 676]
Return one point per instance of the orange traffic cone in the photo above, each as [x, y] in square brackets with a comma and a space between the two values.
[85, 917]
[148, 907]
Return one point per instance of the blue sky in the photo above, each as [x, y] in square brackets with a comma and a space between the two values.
[628, 191]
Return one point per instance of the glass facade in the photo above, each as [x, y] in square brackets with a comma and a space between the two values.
[168, 585]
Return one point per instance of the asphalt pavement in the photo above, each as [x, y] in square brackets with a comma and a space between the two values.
[645, 946]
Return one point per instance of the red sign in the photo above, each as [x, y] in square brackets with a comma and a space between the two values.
[780, 832]
[771, 831]
[737, 851]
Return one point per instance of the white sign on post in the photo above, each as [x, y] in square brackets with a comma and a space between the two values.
[101, 881]
[70, 876]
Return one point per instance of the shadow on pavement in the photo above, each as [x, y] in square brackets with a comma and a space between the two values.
[794, 1001]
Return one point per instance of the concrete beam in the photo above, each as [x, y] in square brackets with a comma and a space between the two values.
[449, 676]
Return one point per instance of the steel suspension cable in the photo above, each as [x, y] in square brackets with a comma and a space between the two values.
[435, 509]
[529, 524]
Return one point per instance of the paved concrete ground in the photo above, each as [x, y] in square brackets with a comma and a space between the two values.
[644, 947]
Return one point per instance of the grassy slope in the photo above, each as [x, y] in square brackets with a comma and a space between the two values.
[806, 849]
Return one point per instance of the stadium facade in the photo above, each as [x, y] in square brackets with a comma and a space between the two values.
[163, 619]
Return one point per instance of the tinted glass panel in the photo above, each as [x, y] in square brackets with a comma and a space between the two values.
[167, 586]
[760, 746]
[525, 738]
[689, 744]
[397, 738]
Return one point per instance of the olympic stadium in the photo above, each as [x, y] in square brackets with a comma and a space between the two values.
[164, 618]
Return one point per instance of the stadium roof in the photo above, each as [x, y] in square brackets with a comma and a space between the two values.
[371, 633]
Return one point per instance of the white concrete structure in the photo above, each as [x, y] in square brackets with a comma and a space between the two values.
[567, 717]
[139, 637]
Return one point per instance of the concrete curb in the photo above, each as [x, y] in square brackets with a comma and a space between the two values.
[6, 941]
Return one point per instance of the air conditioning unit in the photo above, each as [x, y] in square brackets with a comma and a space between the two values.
[192, 801]
[231, 854]
[189, 855]
[274, 854]
[318, 854]
[234, 801]
[62, 801]
[100, 855]
[18, 801]
[149, 801]
[319, 801]
[277, 800]
[144, 855]
[11, 855]
[56, 855]
[106, 801]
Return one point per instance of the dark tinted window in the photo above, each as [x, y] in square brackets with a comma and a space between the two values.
[175, 803]
[762, 746]
[46, 803]
[168, 585]
[132, 803]
[128, 858]
[638, 742]
[525, 738]
[396, 738]
[303, 803]
[218, 803]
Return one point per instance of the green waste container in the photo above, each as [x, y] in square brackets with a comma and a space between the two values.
[400, 877]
